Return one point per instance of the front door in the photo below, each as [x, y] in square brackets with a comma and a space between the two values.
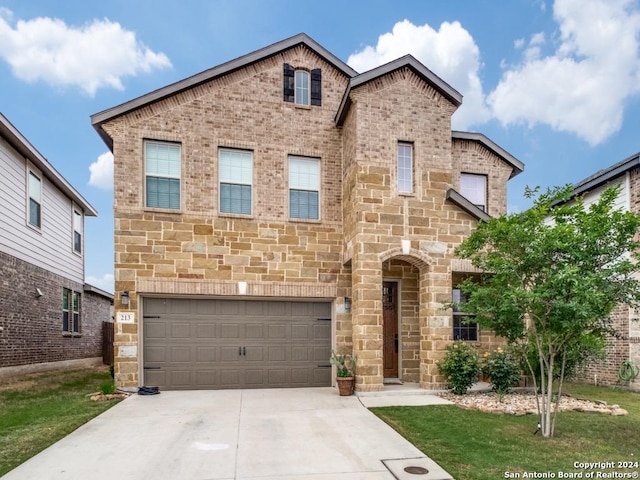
[390, 329]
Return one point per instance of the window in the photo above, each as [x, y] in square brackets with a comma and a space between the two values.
[474, 188]
[464, 328]
[405, 168]
[301, 86]
[77, 230]
[70, 311]
[162, 169]
[304, 188]
[35, 200]
[236, 180]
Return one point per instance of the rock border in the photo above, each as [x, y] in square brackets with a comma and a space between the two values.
[524, 403]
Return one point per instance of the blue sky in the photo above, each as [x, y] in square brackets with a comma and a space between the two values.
[555, 83]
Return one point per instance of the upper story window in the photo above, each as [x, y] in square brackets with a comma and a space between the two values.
[34, 186]
[162, 173]
[301, 96]
[302, 87]
[464, 327]
[77, 230]
[474, 188]
[405, 167]
[236, 181]
[304, 188]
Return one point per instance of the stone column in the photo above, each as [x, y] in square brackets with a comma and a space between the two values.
[366, 314]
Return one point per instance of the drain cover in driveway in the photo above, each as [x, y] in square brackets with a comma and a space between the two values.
[416, 470]
[421, 468]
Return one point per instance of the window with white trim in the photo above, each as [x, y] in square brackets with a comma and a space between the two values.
[302, 88]
[162, 174]
[405, 167]
[34, 185]
[70, 311]
[77, 230]
[464, 327]
[304, 188]
[473, 187]
[236, 181]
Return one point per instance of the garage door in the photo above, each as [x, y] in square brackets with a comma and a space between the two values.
[211, 344]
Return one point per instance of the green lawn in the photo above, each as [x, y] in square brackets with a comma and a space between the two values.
[472, 445]
[36, 410]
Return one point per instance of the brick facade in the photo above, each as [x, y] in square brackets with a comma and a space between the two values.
[31, 325]
[625, 320]
[354, 245]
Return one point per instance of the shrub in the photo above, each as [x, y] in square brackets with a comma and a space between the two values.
[107, 387]
[502, 370]
[460, 367]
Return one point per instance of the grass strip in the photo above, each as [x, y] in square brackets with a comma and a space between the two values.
[37, 410]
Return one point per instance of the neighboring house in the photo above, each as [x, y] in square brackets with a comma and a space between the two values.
[626, 320]
[281, 204]
[47, 312]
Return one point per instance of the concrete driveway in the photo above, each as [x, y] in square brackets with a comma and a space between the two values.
[291, 434]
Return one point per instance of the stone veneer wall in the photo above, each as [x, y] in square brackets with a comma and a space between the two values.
[198, 251]
[382, 217]
[31, 326]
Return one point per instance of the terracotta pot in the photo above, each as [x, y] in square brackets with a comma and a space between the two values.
[346, 385]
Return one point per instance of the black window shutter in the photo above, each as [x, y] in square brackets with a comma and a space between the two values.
[289, 83]
[316, 87]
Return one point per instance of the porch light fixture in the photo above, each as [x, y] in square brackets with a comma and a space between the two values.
[242, 288]
[347, 304]
[406, 247]
[124, 298]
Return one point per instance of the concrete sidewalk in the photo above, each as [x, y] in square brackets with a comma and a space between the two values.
[291, 434]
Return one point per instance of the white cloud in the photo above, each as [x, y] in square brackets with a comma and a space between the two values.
[583, 85]
[450, 52]
[95, 55]
[105, 282]
[101, 172]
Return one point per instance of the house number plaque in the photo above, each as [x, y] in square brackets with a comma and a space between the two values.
[126, 317]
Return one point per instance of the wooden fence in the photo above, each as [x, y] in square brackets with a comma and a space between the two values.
[107, 343]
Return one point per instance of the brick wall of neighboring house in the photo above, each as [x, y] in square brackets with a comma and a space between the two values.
[605, 372]
[31, 325]
[625, 321]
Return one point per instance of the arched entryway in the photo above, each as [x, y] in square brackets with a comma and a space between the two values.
[401, 313]
[394, 312]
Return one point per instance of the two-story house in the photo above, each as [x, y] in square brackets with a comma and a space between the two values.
[281, 204]
[48, 314]
[626, 320]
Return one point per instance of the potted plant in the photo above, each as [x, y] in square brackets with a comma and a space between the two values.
[345, 372]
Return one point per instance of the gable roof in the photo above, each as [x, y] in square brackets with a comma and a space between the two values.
[300, 39]
[606, 175]
[407, 61]
[516, 165]
[24, 147]
[466, 205]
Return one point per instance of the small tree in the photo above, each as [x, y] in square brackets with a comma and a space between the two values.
[554, 273]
